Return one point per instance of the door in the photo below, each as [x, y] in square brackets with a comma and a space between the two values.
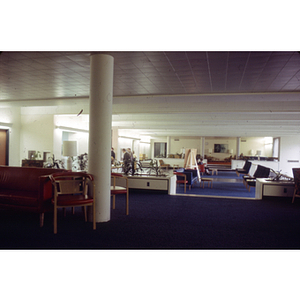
[3, 147]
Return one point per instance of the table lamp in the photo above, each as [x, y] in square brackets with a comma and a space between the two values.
[69, 149]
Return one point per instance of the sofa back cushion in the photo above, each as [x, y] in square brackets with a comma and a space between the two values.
[22, 178]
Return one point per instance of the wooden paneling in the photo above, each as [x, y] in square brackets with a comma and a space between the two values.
[3, 147]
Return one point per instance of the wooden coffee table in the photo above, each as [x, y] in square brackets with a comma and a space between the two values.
[213, 171]
[209, 180]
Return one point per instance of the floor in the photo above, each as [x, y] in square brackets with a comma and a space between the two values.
[210, 193]
[217, 179]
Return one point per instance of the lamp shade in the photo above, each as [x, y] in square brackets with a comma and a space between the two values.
[69, 148]
[258, 152]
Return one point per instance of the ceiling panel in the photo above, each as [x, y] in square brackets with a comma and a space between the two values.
[51, 75]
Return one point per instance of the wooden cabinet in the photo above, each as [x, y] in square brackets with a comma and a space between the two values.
[167, 183]
[148, 183]
[268, 188]
[32, 163]
[278, 190]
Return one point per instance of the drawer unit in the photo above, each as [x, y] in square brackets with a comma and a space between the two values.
[150, 184]
[278, 190]
[167, 183]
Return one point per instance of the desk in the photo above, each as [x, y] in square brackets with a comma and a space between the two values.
[268, 188]
[148, 182]
[116, 169]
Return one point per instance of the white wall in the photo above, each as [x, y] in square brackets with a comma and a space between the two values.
[33, 128]
[210, 142]
[289, 154]
[256, 143]
[36, 134]
[10, 119]
[178, 143]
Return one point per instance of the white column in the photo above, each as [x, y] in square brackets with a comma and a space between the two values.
[114, 142]
[101, 97]
[203, 147]
[168, 146]
[238, 144]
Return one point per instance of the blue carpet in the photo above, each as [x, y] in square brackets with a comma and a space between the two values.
[225, 184]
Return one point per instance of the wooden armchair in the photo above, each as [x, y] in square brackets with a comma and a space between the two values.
[163, 165]
[296, 172]
[245, 170]
[181, 179]
[261, 172]
[118, 189]
[71, 189]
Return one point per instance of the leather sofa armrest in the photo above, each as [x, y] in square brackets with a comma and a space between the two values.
[45, 188]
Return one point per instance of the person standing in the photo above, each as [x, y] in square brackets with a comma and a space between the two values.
[126, 161]
[113, 155]
[205, 167]
[131, 160]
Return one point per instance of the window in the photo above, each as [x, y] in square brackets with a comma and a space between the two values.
[160, 150]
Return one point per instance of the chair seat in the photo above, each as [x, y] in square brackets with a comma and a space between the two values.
[182, 181]
[251, 182]
[118, 190]
[73, 200]
[73, 189]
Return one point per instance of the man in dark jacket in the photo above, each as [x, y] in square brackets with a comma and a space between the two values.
[113, 155]
[131, 160]
[126, 161]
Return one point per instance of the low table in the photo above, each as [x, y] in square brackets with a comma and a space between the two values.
[209, 180]
[213, 171]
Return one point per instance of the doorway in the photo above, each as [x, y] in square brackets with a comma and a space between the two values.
[4, 147]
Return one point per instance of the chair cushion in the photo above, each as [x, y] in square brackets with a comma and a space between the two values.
[15, 197]
[118, 190]
[73, 200]
[251, 182]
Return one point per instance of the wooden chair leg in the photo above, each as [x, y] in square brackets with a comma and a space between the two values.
[94, 216]
[294, 196]
[114, 201]
[41, 219]
[127, 204]
[55, 220]
[85, 214]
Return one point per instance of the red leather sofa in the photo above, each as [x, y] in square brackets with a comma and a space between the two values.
[27, 188]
